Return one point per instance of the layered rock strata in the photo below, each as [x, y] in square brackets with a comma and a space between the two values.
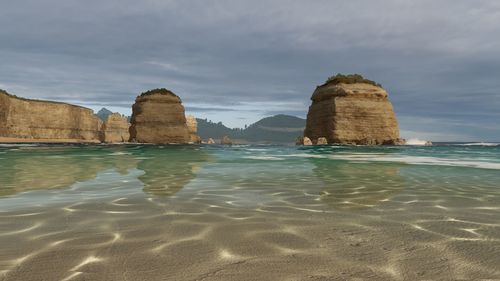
[158, 117]
[115, 129]
[25, 120]
[192, 126]
[357, 113]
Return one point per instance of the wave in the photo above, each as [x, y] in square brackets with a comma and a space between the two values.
[417, 142]
[18, 144]
[273, 158]
[480, 144]
[421, 160]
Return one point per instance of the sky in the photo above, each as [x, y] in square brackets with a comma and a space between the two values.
[240, 61]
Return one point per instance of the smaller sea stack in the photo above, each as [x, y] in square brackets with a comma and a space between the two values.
[158, 117]
[115, 129]
[192, 126]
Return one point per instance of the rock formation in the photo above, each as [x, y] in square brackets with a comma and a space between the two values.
[115, 129]
[192, 126]
[210, 141]
[322, 141]
[352, 110]
[226, 140]
[46, 121]
[158, 117]
[303, 141]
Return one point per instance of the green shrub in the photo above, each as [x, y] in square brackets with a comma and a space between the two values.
[350, 79]
[162, 91]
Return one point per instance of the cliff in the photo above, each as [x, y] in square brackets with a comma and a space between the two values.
[352, 111]
[35, 120]
[115, 129]
[192, 126]
[158, 117]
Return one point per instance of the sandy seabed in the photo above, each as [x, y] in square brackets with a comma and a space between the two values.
[148, 239]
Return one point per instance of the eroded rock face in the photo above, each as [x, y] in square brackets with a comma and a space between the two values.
[38, 121]
[210, 141]
[303, 141]
[358, 113]
[192, 126]
[158, 117]
[115, 129]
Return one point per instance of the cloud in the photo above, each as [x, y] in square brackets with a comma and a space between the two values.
[437, 59]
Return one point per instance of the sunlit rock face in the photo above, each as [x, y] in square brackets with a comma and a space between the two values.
[34, 120]
[358, 113]
[158, 117]
[192, 126]
[115, 129]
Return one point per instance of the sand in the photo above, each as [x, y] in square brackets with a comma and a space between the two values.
[152, 239]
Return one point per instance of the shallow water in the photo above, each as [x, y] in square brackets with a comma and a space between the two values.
[132, 212]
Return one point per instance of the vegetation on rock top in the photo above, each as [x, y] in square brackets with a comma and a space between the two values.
[162, 91]
[36, 100]
[349, 79]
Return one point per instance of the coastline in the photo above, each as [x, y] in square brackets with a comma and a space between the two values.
[25, 140]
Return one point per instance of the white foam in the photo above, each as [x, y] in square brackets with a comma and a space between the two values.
[273, 158]
[420, 160]
[480, 144]
[416, 142]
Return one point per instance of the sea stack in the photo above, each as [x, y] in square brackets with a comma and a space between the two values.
[158, 117]
[349, 109]
[26, 120]
[192, 126]
[115, 129]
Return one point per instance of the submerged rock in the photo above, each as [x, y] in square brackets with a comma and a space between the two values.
[115, 129]
[158, 117]
[352, 111]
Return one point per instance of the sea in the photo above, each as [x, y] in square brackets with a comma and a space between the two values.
[249, 212]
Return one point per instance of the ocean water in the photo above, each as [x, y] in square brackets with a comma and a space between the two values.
[249, 212]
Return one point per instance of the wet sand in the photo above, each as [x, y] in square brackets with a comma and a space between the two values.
[201, 239]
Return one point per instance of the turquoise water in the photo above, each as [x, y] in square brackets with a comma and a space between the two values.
[372, 212]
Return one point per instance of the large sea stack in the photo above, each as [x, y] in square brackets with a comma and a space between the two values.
[349, 109]
[158, 117]
[25, 120]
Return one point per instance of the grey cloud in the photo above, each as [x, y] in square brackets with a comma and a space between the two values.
[437, 59]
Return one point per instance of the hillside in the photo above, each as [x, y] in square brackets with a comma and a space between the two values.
[103, 113]
[276, 129]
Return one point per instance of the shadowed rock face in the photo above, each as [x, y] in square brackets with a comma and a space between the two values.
[358, 113]
[158, 117]
[35, 120]
[115, 129]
